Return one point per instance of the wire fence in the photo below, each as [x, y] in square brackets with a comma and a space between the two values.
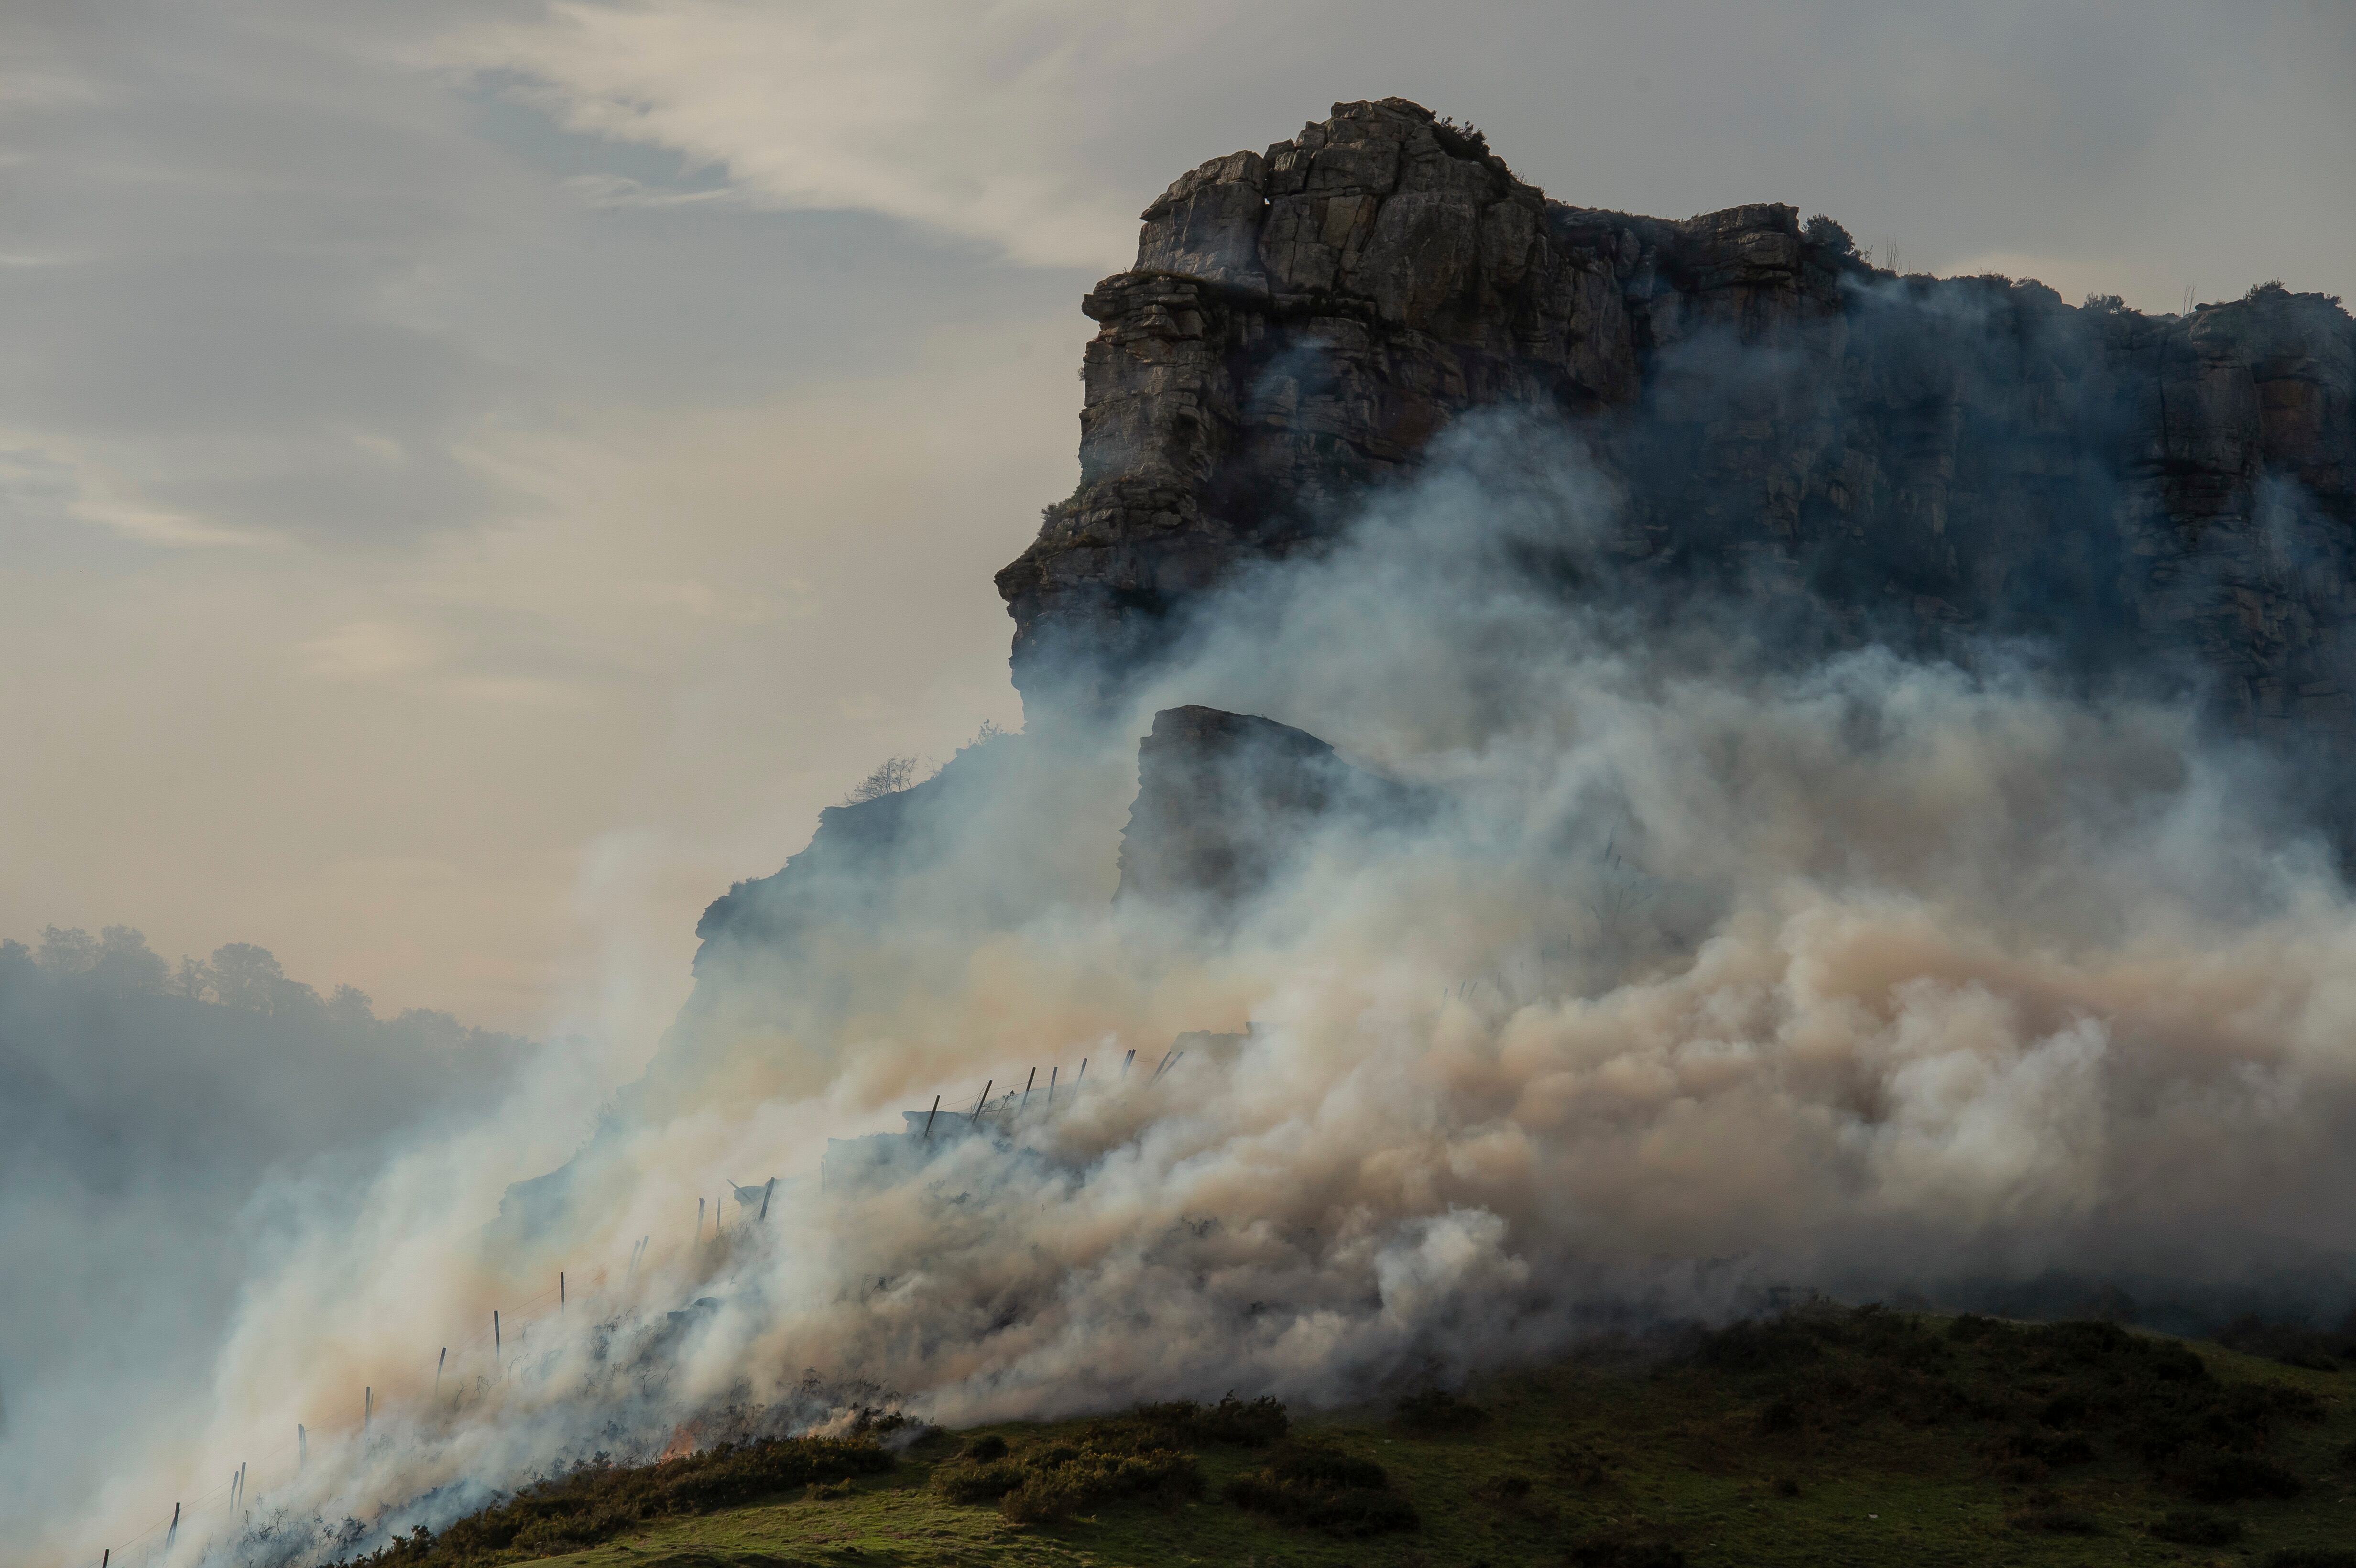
[198, 1524]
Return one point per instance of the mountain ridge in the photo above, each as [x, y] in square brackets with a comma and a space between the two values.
[1922, 461]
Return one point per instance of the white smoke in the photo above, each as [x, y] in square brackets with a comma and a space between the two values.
[1716, 970]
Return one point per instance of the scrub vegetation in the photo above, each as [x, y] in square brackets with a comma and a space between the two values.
[1825, 1434]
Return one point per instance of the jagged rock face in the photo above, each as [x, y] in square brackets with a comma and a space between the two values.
[1224, 799]
[1924, 458]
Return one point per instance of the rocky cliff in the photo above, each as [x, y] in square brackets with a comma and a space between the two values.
[1914, 459]
[1224, 799]
[1933, 463]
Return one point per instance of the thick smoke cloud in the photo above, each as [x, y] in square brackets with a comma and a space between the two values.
[1698, 969]
[165, 1136]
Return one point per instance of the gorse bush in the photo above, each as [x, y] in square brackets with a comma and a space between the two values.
[2051, 1396]
[977, 1480]
[1580, 1464]
[2215, 1477]
[1320, 1465]
[1062, 1480]
[2292, 1344]
[1318, 1486]
[1140, 1455]
[597, 1500]
[1438, 1411]
[1241, 1424]
[1053, 1481]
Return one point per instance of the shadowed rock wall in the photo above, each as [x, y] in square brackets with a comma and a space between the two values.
[1224, 799]
[1853, 454]
[1921, 460]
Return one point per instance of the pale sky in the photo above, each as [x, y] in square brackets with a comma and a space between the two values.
[476, 478]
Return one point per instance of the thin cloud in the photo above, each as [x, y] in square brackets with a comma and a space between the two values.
[960, 118]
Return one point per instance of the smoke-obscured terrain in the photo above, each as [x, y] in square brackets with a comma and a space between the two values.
[166, 1137]
[1581, 771]
[1670, 967]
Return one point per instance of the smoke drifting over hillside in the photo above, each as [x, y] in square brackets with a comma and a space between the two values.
[167, 1137]
[1682, 966]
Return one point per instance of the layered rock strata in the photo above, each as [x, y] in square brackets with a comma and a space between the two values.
[1923, 459]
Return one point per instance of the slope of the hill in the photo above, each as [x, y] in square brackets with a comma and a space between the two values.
[1823, 1436]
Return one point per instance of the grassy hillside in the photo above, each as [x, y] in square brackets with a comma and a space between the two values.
[1828, 1435]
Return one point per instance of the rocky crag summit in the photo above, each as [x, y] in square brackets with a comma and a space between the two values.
[2163, 504]
[1923, 459]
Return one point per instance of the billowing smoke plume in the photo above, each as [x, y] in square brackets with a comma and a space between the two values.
[1674, 967]
[168, 1136]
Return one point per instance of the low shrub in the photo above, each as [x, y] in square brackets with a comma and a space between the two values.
[598, 1499]
[981, 1450]
[1518, 1495]
[2056, 1521]
[983, 1482]
[1062, 1480]
[1316, 1487]
[1053, 1480]
[2292, 1344]
[2192, 1527]
[1236, 1423]
[2217, 1477]
[1580, 1464]
[2311, 1557]
[1322, 1464]
[1437, 1411]
[2045, 1395]
[1760, 1345]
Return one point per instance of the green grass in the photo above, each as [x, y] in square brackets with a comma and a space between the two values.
[1829, 1436]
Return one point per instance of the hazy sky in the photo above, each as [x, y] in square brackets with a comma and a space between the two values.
[474, 479]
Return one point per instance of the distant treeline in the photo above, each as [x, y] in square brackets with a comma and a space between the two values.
[110, 1060]
[239, 974]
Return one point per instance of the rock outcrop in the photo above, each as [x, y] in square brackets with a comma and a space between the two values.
[1924, 459]
[1224, 799]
